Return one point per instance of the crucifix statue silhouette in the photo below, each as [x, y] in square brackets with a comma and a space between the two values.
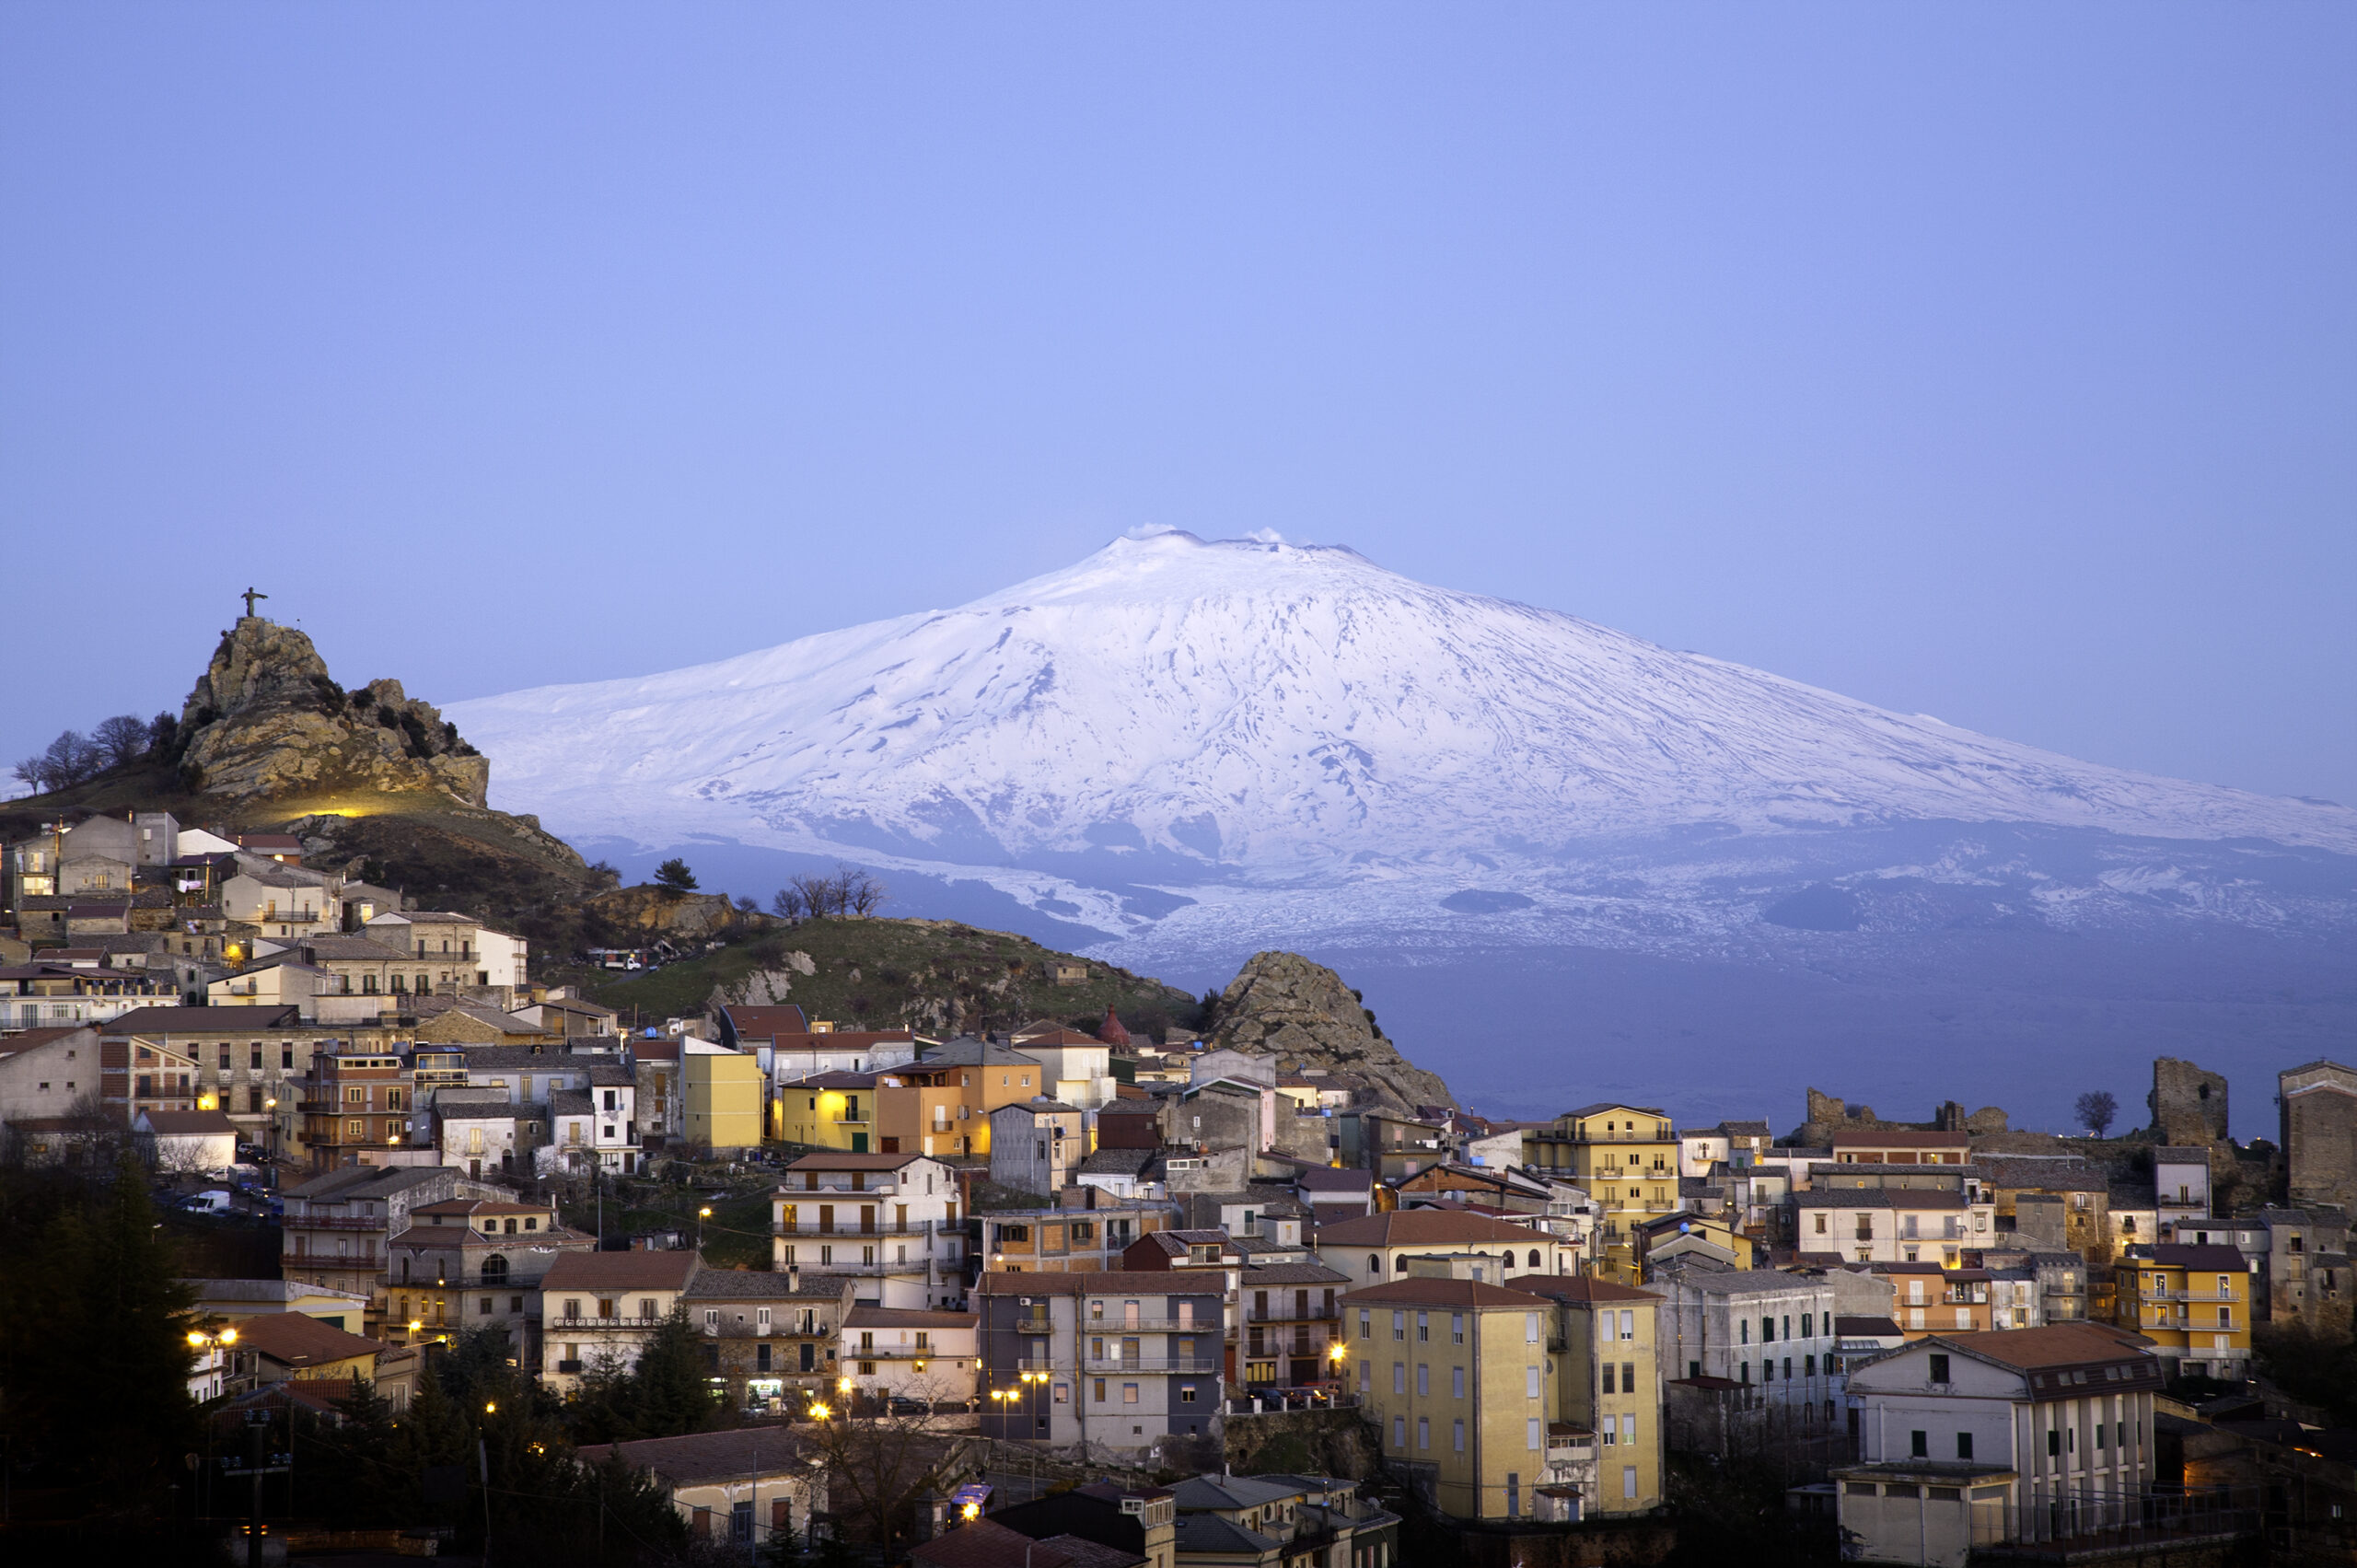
[249, 597]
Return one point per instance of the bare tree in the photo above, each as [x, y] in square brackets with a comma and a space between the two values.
[818, 892]
[861, 894]
[120, 740]
[2095, 1109]
[879, 1466]
[788, 903]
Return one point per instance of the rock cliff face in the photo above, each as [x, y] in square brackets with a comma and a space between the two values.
[267, 722]
[1284, 1005]
[648, 912]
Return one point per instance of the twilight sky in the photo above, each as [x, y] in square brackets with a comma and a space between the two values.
[1998, 363]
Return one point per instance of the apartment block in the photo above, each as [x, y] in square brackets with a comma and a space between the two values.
[890, 1219]
[1117, 1363]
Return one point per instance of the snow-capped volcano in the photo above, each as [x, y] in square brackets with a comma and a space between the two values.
[1564, 862]
[1264, 713]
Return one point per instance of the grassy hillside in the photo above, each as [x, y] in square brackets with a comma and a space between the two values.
[937, 976]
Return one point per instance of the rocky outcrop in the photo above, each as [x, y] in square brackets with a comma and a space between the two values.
[649, 913]
[267, 722]
[1282, 1004]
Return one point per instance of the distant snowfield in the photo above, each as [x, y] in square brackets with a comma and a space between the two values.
[1201, 749]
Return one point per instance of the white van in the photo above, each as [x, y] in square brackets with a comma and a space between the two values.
[215, 1201]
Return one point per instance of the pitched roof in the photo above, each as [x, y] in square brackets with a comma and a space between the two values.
[1879, 1198]
[1600, 1106]
[621, 1271]
[967, 1051]
[907, 1317]
[985, 1543]
[1864, 1328]
[2225, 1260]
[709, 1455]
[761, 1285]
[1578, 1287]
[1420, 1227]
[479, 1206]
[298, 1339]
[1208, 1533]
[199, 1020]
[1262, 1274]
[1324, 1178]
[760, 1023]
[1434, 1290]
[2056, 1344]
[187, 1123]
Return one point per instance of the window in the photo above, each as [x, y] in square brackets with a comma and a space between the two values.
[1398, 1376]
[1939, 1368]
[1457, 1382]
[1767, 1330]
[1809, 1366]
[1373, 1265]
[1099, 1390]
[2054, 1443]
[1129, 1393]
[1423, 1326]
[1366, 1373]
[1456, 1328]
[1743, 1331]
[1423, 1378]
[1607, 1372]
[1457, 1436]
[1366, 1320]
[1628, 1481]
[1629, 1430]
[1805, 1320]
[1964, 1444]
[1398, 1431]
[1628, 1377]
[1530, 1382]
[1530, 1435]
[1399, 1325]
[1919, 1444]
[1423, 1431]
[482, 1308]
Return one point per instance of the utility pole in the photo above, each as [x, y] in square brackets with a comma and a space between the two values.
[258, 1465]
[482, 1459]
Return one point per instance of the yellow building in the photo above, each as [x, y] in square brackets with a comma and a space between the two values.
[1454, 1373]
[1625, 1156]
[1607, 1383]
[2193, 1303]
[829, 1111]
[722, 1091]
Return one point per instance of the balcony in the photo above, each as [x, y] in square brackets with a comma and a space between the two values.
[596, 1325]
[568, 1367]
[1150, 1326]
[1315, 1313]
[1114, 1366]
[330, 1222]
[1034, 1326]
[799, 1232]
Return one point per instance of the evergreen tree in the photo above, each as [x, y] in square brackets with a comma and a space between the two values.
[673, 876]
[670, 1393]
[94, 1353]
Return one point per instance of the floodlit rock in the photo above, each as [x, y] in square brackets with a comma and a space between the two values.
[267, 722]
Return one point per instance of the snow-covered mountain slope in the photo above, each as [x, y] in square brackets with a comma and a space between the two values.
[1272, 714]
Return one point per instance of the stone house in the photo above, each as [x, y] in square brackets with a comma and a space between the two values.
[770, 1337]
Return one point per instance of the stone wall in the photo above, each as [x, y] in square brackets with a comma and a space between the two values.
[2319, 1117]
[1320, 1441]
[2188, 1103]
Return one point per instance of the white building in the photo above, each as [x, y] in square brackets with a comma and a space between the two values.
[1967, 1440]
[902, 1353]
[2181, 1188]
[890, 1219]
[1892, 1224]
[1761, 1327]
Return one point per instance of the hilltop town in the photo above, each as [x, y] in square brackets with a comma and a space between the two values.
[395, 1201]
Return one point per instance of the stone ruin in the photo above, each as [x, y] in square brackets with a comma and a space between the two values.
[2188, 1103]
[1828, 1115]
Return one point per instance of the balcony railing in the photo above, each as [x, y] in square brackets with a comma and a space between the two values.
[799, 1232]
[1112, 1365]
[902, 1352]
[1316, 1312]
[330, 1222]
[1150, 1325]
[1034, 1325]
[585, 1324]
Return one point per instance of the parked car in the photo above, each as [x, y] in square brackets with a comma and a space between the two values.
[214, 1200]
[901, 1404]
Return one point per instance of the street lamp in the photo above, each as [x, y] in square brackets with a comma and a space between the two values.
[701, 1214]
